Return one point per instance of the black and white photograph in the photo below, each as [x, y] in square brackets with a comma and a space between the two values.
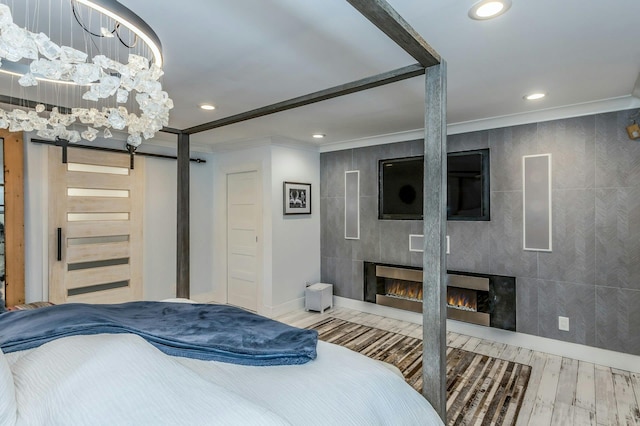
[297, 198]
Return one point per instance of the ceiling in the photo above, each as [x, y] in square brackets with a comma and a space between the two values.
[245, 54]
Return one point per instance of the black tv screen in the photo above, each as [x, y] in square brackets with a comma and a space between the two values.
[468, 185]
[400, 189]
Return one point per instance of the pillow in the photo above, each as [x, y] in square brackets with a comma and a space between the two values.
[8, 408]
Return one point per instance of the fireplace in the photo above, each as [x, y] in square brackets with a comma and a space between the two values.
[488, 300]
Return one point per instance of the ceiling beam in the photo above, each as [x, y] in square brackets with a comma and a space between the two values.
[171, 130]
[383, 16]
[333, 92]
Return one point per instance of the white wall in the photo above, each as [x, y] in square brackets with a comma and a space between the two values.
[258, 159]
[35, 221]
[160, 232]
[159, 266]
[159, 252]
[290, 244]
[296, 239]
[202, 234]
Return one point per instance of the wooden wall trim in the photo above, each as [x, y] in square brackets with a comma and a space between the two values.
[14, 216]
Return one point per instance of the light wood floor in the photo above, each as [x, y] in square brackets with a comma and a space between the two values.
[561, 391]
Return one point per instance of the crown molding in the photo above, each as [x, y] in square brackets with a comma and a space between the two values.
[568, 111]
[373, 140]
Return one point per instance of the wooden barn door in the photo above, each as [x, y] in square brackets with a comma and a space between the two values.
[95, 227]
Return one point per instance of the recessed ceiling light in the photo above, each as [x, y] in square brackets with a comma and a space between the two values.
[207, 107]
[318, 136]
[487, 9]
[534, 96]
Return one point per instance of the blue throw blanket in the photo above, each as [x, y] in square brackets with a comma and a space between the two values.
[202, 331]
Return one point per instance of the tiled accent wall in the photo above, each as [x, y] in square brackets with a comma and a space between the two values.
[380, 240]
[593, 274]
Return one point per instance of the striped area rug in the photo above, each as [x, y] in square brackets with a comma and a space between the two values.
[480, 389]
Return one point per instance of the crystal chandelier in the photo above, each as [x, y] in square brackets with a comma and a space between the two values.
[95, 86]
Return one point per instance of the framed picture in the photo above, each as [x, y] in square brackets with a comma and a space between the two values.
[297, 198]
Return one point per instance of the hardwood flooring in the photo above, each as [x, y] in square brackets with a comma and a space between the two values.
[561, 391]
[480, 389]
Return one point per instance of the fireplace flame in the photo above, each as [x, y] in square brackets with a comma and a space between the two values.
[404, 290]
[460, 299]
[457, 298]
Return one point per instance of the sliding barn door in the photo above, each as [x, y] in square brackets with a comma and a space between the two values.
[95, 227]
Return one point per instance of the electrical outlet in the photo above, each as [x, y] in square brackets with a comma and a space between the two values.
[563, 323]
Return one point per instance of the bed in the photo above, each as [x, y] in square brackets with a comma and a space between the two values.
[106, 379]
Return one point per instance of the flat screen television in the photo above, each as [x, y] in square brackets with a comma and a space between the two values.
[468, 190]
[400, 188]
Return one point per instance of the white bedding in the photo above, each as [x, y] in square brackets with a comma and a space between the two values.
[123, 380]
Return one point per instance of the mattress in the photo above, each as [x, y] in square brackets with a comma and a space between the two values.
[121, 379]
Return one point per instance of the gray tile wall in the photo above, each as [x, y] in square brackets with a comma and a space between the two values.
[380, 240]
[593, 274]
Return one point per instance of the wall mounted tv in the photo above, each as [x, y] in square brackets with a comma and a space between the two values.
[400, 187]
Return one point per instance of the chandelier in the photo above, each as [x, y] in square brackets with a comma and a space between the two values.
[91, 72]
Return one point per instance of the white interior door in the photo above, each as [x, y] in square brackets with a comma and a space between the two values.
[242, 239]
[95, 227]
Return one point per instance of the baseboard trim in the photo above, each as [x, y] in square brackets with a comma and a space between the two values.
[204, 297]
[276, 311]
[372, 308]
[577, 351]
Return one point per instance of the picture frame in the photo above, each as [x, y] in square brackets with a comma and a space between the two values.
[296, 198]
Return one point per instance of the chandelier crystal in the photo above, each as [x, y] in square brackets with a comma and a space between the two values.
[116, 88]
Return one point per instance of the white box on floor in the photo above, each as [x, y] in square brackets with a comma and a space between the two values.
[318, 297]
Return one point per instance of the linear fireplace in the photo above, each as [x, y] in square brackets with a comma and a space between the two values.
[482, 299]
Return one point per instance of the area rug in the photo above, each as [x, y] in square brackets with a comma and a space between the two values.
[480, 389]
